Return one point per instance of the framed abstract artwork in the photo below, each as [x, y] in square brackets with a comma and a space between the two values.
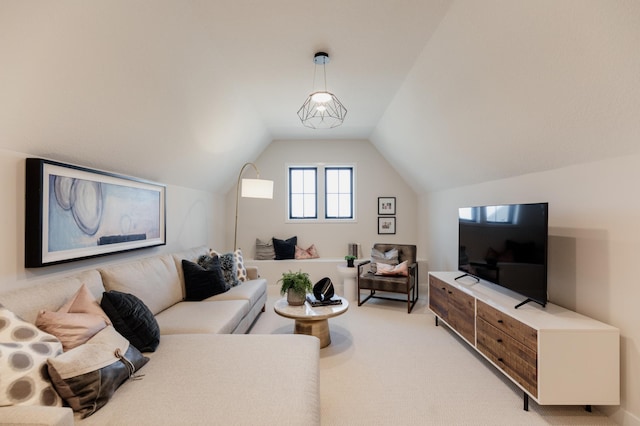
[386, 205]
[74, 213]
[386, 225]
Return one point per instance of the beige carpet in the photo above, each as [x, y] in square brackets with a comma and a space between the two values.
[386, 367]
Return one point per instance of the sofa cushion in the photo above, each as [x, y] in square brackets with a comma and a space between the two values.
[87, 376]
[251, 291]
[153, 280]
[24, 350]
[133, 319]
[202, 317]
[190, 379]
[200, 282]
[50, 294]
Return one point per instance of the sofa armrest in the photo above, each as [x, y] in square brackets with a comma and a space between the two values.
[252, 272]
[36, 415]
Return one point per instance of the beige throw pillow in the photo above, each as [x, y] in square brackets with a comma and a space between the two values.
[79, 319]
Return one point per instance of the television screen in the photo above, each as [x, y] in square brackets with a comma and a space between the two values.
[506, 245]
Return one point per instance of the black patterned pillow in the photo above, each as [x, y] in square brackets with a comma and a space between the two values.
[228, 266]
[133, 319]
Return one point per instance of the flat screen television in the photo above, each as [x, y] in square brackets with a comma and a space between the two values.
[506, 245]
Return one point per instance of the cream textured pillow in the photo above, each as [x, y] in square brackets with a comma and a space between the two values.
[24, 350]
[265, 250]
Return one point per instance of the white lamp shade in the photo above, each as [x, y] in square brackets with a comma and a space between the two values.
[257, 188]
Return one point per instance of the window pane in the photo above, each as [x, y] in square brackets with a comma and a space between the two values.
[296, 181]
[338, 192]
[345, 205]
[332, 205]
[332, 181]
[302, 193]
[310, 205]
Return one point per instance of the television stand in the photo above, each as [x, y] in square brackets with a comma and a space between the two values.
[555, 356]
[527, 301]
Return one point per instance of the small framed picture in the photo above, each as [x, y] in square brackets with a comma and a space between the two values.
[386, 225]
[387, 205]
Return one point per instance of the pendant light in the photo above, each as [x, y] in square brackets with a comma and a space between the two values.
[322, 109]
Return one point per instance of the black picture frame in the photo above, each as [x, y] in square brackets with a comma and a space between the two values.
[386, 205]
[74, 213]
[386, 225]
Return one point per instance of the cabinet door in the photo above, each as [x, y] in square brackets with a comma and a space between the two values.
[514, 358]
[438, 298]
[462, 313]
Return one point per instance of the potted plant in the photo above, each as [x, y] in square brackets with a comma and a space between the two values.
[296, 285]
[350, 258]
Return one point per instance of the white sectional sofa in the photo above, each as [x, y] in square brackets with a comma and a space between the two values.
[205, 370]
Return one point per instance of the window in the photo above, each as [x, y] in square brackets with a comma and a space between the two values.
[303, 191]
[338, 192]
[338, 188]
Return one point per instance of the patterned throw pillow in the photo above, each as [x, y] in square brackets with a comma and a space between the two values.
[310, 253]
[264, 250]
[228, 266]
[389, 257]
[238, 269]
[23, 363]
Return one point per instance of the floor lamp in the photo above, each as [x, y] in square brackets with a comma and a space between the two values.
[251, 188]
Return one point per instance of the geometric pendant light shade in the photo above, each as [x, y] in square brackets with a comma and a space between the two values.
[322, 109]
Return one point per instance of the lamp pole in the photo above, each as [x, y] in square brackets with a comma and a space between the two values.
[235, 235]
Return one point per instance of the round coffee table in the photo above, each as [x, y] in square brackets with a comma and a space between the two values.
[311, 320]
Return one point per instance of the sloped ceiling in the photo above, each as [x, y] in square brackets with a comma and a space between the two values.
[451, 92]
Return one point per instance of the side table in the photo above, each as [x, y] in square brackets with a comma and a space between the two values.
[349, 282]
[311, 320]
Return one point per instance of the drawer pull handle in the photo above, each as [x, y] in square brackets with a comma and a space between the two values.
[499, 340]
[450, 292]
[500, 360]
[500, 321]
[443, 288]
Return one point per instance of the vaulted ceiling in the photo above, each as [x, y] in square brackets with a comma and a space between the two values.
[451, 92]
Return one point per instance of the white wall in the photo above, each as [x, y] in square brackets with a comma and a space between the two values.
[194, 218]
[265, 219]
[594, 246]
